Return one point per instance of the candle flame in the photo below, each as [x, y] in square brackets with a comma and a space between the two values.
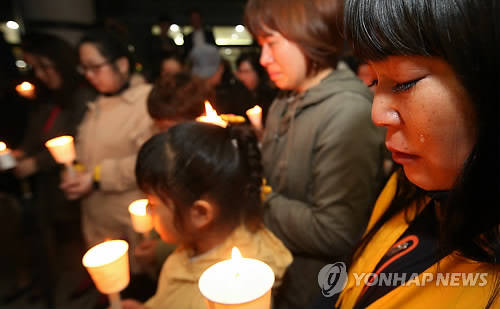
[24, 86]
[105, 253]
[2, 146]
[209, 111]
[236, 254]
[211, 116]
[254, 110]
[139, 207]
[59, 141]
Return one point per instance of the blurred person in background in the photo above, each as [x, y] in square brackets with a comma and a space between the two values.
[231, 95]
[160, 47]
[107, 142]
[169, 63]
[201, 34]
[58, 110]
[254, 76]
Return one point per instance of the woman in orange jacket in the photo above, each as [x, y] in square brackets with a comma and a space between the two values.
[433, 238]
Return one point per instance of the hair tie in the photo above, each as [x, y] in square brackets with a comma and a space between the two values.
[234, 142]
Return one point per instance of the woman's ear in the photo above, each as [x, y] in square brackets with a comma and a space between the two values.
[201, 214]
[123, 65]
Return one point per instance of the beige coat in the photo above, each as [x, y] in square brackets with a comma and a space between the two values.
[110, 135]
[178, 283]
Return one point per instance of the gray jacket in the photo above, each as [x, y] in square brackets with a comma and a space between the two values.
[323, 157]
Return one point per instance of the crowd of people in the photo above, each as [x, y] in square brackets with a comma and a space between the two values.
[312, 193]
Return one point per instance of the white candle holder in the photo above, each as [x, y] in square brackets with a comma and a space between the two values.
[241, 283]
[62, 149]
[108, 266]
[255, 116]
[7, 160]
[142, 222]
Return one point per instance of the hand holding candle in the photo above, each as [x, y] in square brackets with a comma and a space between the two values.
[108, 266]
[211, 116]
[255, 116]
[62, 149]
[7, 160]
[237, 283]
[141, 219]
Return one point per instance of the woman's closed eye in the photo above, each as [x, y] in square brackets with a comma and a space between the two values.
[401, 87]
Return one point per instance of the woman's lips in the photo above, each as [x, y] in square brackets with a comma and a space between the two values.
[401, 157]
[273, 75]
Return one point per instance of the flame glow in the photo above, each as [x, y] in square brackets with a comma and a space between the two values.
[25, 86]
[2, 146]
[211, 116]
[236, 254]
[59, 141]
[139, 207]
[105, 253]
[254, 110]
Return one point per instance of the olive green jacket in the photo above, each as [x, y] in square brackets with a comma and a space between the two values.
[323, 157]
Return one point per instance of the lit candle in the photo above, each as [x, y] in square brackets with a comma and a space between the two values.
[142, 221]
[237, 283]
[211, 116]
[7, 160]
[107, 264]
[255, 116]
[26, 90]
[62, 149]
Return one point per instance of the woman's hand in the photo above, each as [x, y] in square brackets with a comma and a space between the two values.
[132, 304]
[25, 167]
[145, 252]
[76, 185]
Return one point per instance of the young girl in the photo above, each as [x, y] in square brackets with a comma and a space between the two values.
[203, 183]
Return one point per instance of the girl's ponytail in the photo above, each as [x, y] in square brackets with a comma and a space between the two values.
[246, 143]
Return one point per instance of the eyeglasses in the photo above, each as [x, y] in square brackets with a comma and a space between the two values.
[83, 69]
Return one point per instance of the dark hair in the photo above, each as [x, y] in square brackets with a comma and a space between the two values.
[64, 57]
[176, 55]
[463, 33]
[110, 45]
[165, 18]
[178, 97]
[228, 77]
[253, 59]
[314, 25]
[194, 160]
[266, 92]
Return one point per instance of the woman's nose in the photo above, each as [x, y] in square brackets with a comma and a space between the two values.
[384, 114]
[265, 56]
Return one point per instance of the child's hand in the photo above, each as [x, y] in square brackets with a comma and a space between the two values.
[131, 304]
[77, 185]
[145, 252]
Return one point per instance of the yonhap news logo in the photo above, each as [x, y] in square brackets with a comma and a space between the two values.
[332, 278]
